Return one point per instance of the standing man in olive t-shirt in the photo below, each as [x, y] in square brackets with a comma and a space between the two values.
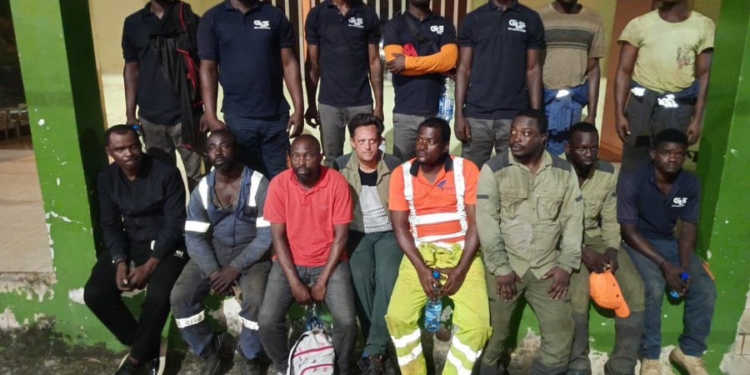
[665, 59]
[574, 36]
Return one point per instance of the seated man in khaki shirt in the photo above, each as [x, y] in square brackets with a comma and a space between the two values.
[529, 217]
[601, 252]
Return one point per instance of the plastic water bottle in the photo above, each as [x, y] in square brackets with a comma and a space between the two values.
[433, 310]
[447, 101]
[675, 294]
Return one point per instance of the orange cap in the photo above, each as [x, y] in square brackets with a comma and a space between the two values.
[605, 291]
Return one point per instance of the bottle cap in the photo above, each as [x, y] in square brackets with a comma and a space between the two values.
[436, 274]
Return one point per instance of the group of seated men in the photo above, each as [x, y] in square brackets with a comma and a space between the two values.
[365, 236]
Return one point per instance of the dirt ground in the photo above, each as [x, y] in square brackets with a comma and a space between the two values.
[42, 352]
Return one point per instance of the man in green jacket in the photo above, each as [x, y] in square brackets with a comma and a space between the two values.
[376, 257]
[530, 224]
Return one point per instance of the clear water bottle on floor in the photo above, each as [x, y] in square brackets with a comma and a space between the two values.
[447, 101]
[433, 310]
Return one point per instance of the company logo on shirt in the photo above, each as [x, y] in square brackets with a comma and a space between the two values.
[679, 202]
[437, 29]
[441, 184]
[516, 25]
[357, 22]
[262, 25]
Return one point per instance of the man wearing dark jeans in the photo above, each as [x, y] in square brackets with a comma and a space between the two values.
[343, 39]
[311, 265]
[651, 200]
[375, 255]
[155, 81]
[248, 46]
[142, 202]
[229, 244]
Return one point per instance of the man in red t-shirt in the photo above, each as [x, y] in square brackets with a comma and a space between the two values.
[311, 265]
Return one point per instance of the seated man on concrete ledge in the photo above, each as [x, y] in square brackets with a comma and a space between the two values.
[601, 253]
[651, 200]
[142, 203]
[310, 208]
[229, 243]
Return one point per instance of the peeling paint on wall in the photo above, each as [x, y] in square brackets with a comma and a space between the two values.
[8, 320]
[76, 295]
[33, 284]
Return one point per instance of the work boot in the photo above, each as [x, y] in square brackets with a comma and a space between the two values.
[221, 354]
[374, 366]
[128, 368]
[152, 367]
[693, 365]
[650, 367]
[249, 366]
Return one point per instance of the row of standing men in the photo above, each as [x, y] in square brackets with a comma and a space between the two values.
[506, 58]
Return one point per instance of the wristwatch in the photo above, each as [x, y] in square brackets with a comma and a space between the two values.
[118, 258]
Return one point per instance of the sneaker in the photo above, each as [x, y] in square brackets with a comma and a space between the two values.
[650, 367]
[374, 366]
[693, 365]
[222, 354]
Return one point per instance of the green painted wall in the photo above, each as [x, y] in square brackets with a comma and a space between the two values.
[722, 166]
[62, 91]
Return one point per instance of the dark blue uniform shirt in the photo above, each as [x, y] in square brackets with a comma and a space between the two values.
[419, 95]
[247, 48]
[655, 214]
[343, 42]
[500, 40]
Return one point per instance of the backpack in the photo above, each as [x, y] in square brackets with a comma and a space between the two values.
[313, 352]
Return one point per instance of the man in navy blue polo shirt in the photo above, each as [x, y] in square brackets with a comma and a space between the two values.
[499, 74]
[248, 45]
[420, 47]
[166, 109]
[651, 200]
[343, 39]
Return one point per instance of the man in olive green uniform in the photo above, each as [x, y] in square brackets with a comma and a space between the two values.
[601, 252]
[530, 222]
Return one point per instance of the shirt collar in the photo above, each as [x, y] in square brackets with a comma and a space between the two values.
[228, 6]
[513, 5]
[676, 184]
[144, 170]
[429, 16]
[322, 182]
[546, 160]
[447, 166]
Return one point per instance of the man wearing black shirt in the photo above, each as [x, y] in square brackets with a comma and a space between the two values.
[248, 47]
[342, 45]
[142, 202]
[166, 111]
[499, 74]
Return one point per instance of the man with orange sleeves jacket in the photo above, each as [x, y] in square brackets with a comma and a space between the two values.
[420, 47]
[433, 209]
